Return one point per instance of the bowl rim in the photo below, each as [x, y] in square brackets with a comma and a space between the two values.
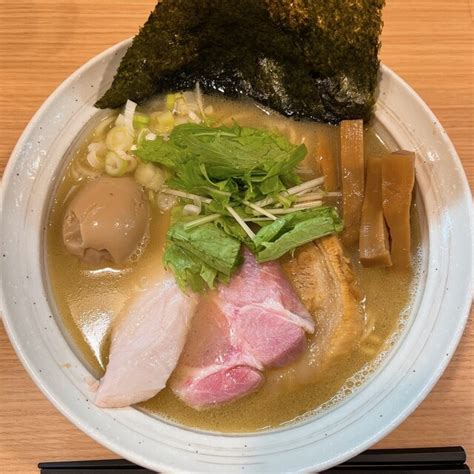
[115, 445]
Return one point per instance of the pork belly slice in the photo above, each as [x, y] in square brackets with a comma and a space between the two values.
[146, 345]
[255, 322]
[325, 281]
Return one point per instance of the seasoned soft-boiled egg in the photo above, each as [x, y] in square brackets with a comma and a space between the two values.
[107, 219]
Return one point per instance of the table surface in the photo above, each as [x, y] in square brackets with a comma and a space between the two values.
[428, 42]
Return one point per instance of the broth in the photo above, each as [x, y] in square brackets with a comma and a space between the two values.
[89, 300]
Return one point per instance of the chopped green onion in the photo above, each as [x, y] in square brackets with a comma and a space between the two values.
[149, 176]
[114, 165]
[140, 120]
[119, 139]
[141, 137]
[170, 100]
[162, 122]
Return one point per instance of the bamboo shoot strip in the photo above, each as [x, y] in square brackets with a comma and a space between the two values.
[327, 163]
[352, 178]
[398, 179]
[374, 247]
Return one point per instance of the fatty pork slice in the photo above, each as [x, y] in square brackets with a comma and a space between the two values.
[324, 279]
[146, 345]
[214, 368]
[255, 322]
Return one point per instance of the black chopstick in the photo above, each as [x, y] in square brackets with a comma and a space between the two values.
[105, 466]
[417, 456]
[449, 460]
[409, 460]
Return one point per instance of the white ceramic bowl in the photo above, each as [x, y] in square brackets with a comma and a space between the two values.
[403, 379]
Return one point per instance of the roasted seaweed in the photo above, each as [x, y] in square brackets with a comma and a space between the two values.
[315, 59]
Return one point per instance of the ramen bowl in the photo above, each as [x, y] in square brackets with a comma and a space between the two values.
[428, 336]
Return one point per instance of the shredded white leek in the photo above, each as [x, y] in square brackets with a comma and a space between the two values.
[306, 185]
[257, 219]
[241, 222]
[201, 221]
[128, 114]
[310, 197]
[308, 205]
[299, 189]
[199, 100]
[297, 207]
[182, 194]
[260, 210]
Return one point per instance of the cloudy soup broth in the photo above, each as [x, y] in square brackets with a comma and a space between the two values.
[91, 298]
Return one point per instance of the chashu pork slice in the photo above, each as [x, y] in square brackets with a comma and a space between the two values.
[324, 280]
[214, 367]
[146, 345]
[254, 322]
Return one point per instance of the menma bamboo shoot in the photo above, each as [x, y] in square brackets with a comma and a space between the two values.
[398, 179]
[374, 247]
[352, 178]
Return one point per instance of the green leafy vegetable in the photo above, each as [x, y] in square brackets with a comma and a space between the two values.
[224, 168]
[230, 226]
[308, 58]
[295, 229]
[225, 159]
[189, 271]
[207, 245]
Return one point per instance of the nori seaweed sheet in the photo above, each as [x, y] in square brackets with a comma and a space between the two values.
[314, 59]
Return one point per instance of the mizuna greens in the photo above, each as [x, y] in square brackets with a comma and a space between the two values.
[222, 160]
[227, 177]
[293, 230]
